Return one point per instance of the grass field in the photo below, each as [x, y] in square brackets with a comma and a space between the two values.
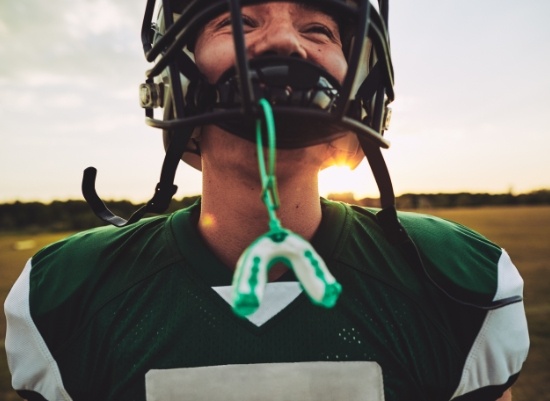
[523, 231]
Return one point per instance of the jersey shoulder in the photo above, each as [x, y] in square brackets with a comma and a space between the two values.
[462, 261]
[70, 286]
[479, 273]
[70, 280]
[96, 251]
[459, 259]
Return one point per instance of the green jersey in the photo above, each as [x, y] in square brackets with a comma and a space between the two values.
[104, 313]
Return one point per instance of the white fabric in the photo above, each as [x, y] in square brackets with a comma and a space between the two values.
[303, 381]
[31, 364]
[277, 296]
[501, 345]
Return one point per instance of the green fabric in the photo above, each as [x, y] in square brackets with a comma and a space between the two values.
[113, 303]
[459, 259]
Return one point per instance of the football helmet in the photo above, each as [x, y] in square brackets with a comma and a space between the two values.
[310, 106]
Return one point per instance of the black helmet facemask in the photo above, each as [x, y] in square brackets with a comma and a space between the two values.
[310, 106]
[294, 87]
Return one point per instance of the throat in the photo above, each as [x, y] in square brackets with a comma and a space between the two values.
[277, 271]
[231, 229]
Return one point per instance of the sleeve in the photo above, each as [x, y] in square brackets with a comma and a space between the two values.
[500, 348]
[33, 368]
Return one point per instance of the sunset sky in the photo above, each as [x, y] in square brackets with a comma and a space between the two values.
[471, 112]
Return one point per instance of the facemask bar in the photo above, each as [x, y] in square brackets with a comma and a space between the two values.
[245, 84]
[356, 56]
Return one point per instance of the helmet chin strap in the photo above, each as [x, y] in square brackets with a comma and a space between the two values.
[164, 191]
[397, 235]
[387, 217]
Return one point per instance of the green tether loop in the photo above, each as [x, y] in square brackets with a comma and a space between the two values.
[270, 196]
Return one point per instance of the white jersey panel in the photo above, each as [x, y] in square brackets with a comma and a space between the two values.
[500, 347]
[31, 364]
[277, 296]
[303, 381]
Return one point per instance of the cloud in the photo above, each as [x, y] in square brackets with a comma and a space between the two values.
[97, 39]
[93, 18]
[468, 83]
[3, 28]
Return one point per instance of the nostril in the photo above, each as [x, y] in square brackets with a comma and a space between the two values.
[275, 53]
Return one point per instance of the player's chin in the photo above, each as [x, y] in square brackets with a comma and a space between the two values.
[313, 157]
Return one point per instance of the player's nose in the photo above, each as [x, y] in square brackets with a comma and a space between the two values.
[278, 39]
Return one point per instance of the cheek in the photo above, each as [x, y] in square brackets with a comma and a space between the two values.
[215, 55]
[332, 60]
[337, 66]
[214, 58]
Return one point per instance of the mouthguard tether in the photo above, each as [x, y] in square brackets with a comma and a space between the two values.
[278, 245]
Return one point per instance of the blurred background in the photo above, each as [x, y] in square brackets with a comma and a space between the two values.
[472, 88]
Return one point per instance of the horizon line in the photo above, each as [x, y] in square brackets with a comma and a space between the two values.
[344, 193]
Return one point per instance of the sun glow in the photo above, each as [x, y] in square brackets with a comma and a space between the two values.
[342, 179]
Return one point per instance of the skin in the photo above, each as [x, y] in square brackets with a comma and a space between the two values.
[231, 184]
[273, 28]
[507, 396]
[232, 215]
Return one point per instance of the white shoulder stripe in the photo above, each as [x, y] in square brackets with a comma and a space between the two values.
[510, 282]
[501, 345]
[31, 364]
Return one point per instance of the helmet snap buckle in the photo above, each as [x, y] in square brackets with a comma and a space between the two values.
[151, 95]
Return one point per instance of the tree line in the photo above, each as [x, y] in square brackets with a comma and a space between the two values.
[71, 215]
[75, 215]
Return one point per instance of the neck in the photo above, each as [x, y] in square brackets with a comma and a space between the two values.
[233, 215]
